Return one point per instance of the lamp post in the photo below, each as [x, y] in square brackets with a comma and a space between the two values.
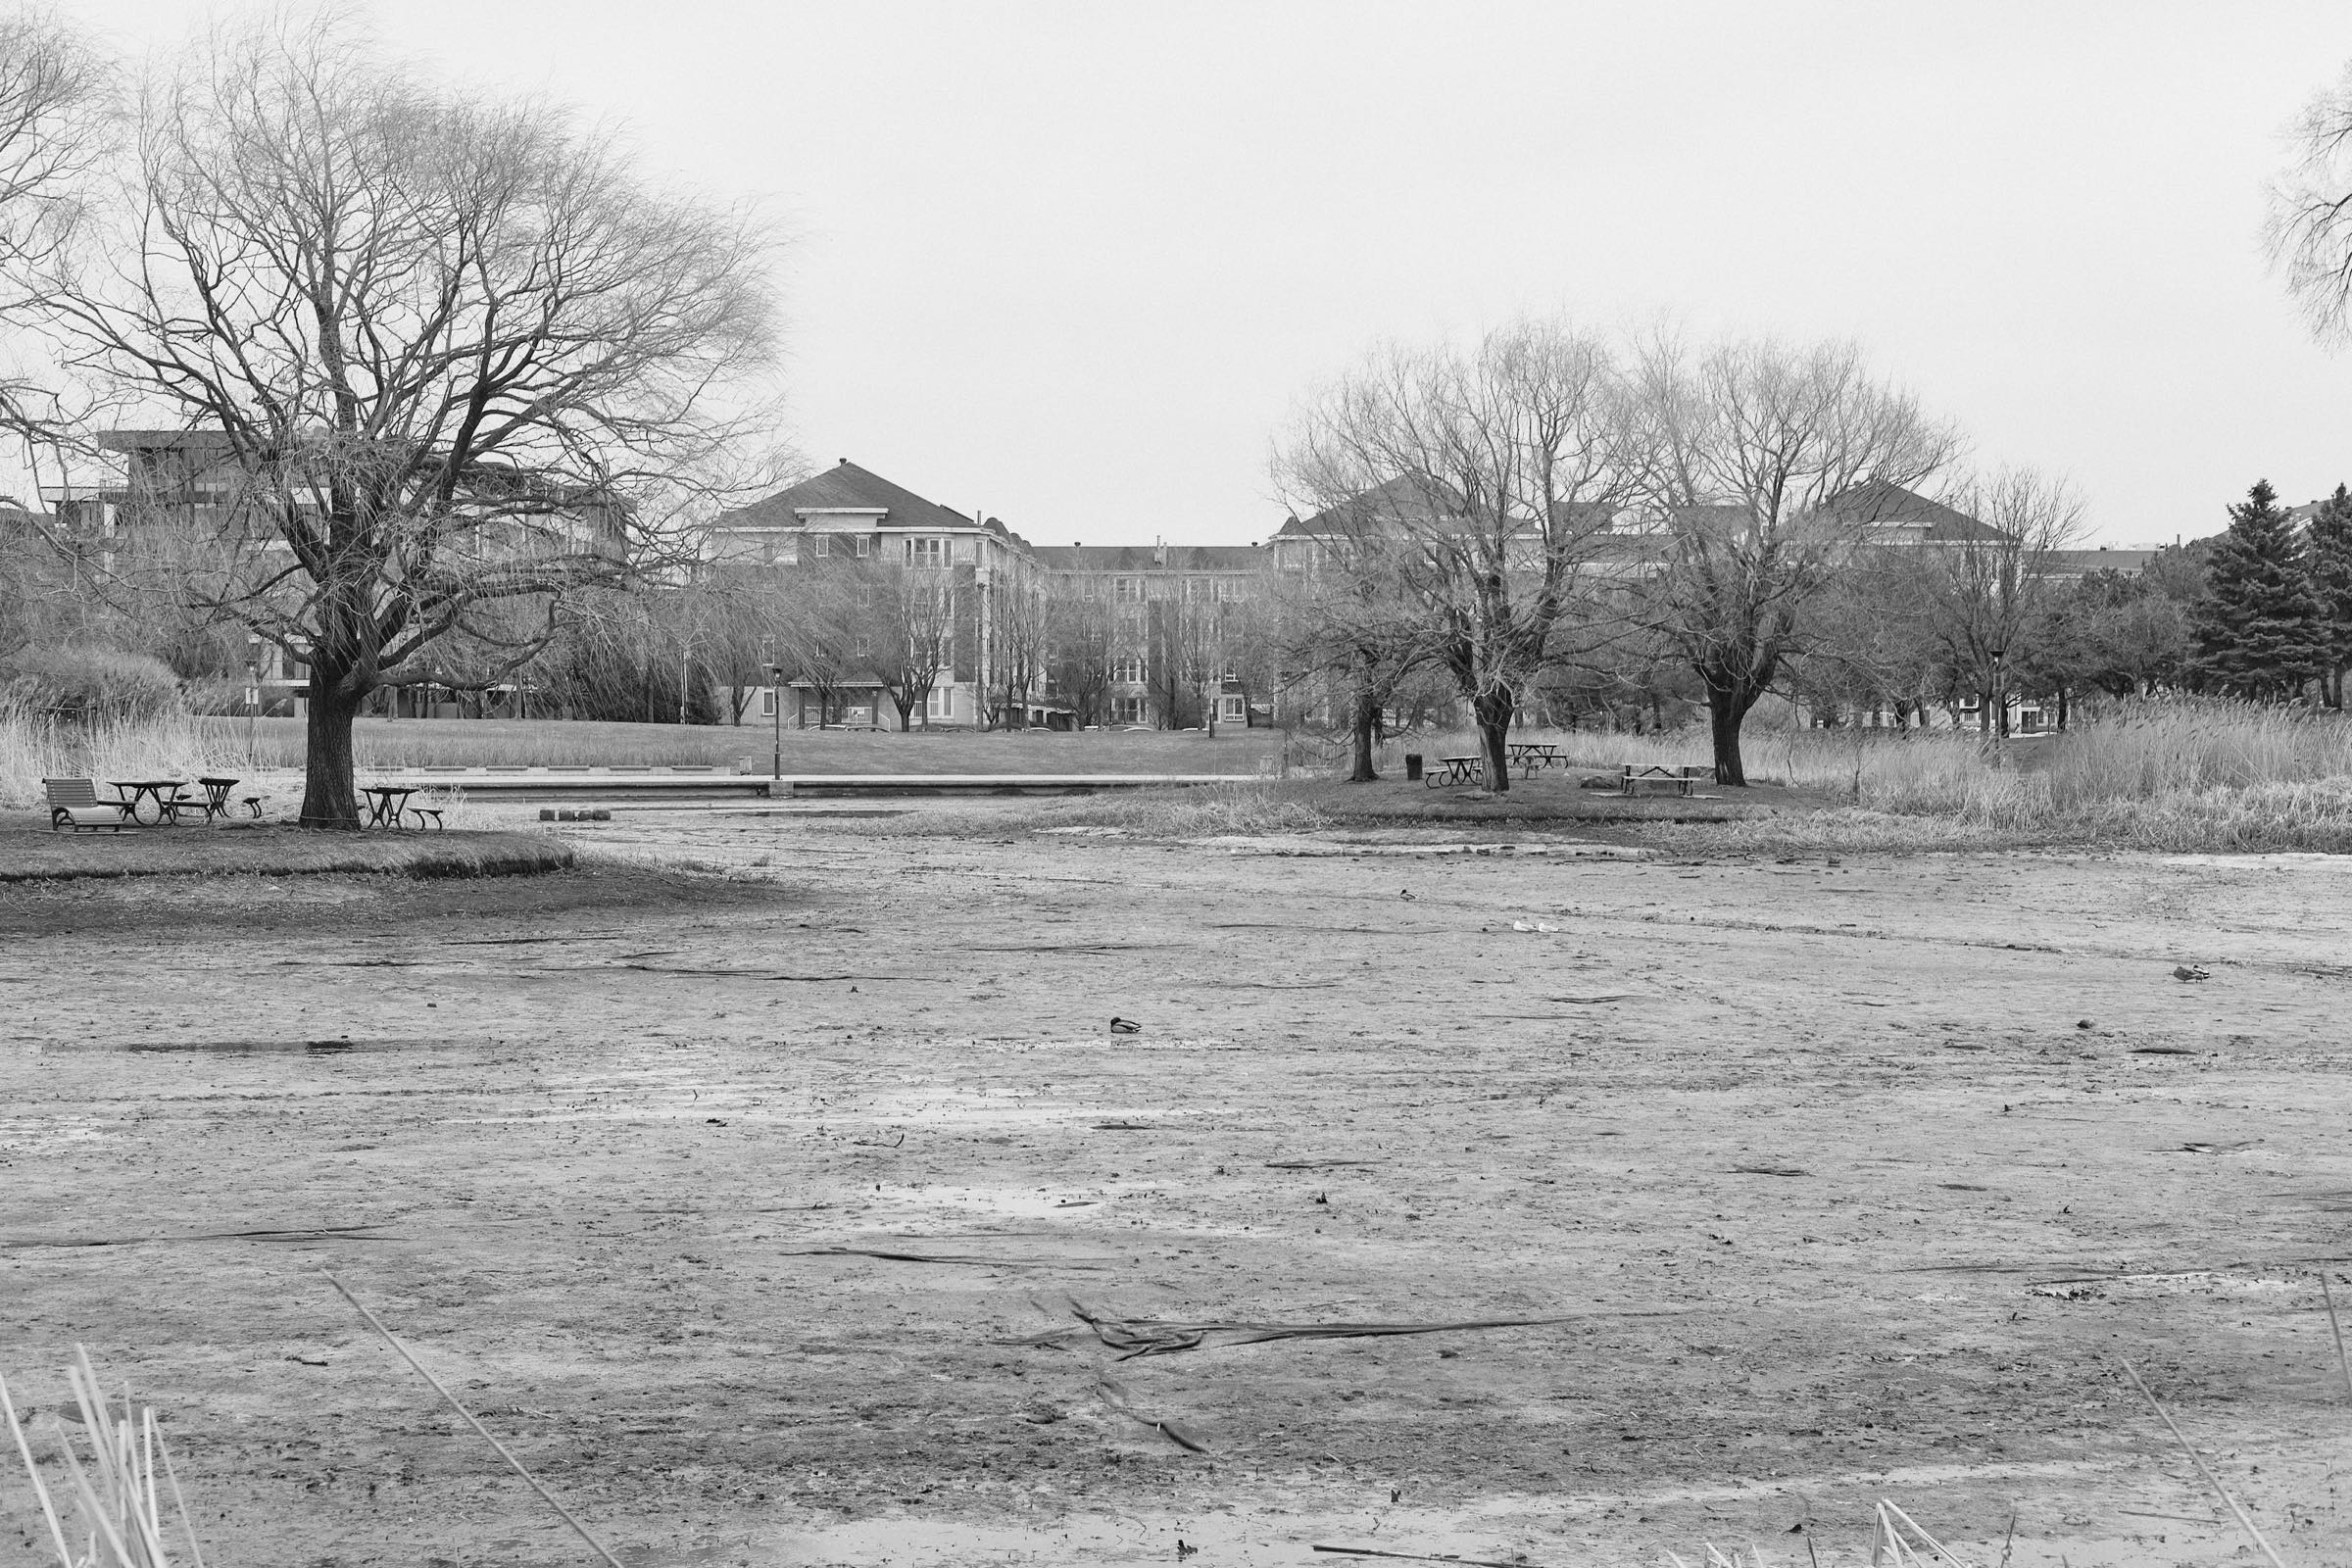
[775, 705]
[253, 709]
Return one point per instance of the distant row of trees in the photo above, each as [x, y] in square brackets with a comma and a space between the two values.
[1467, 507]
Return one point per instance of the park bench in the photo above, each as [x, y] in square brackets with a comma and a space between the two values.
[1637, 778]
[70, 795]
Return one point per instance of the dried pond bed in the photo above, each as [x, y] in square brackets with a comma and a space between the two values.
[755, 1212]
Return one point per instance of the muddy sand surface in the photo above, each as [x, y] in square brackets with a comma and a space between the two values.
[807, 1210]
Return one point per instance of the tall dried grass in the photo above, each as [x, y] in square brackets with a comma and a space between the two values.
[114, 1506]
[34, 747]
[2155, 751]
[2180, 776]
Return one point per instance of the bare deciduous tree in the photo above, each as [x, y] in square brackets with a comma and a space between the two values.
[455, 354]
[1019, 631]
[1769, 465]
[2309, 226]
[1989, 591]
[821, 638]
[1082, 643]
[55, 122]
[1354, 619]
[1497, 469]
[910, 618]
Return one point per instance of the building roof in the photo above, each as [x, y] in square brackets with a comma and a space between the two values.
[1890, 506]
[1149, 557]
[2082, 563]
[847, 487]
[1407, 493]
[162, 440]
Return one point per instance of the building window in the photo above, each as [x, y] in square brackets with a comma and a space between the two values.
[1127, 710]
[862, 545]
[1128, 667]
[1233, 709]
[820, 545]
[767, 703]
[940, 703]
[1127, 589]
[926, 552]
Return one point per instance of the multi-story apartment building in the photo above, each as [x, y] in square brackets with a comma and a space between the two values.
[848, 529]
[1104, 634]
[1159, 634]
[179, 504]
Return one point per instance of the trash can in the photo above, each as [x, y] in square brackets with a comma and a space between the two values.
[1412, 767]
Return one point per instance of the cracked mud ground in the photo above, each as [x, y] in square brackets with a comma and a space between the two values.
[1849, 1181]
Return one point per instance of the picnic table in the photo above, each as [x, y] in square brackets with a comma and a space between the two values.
[1454, 770]
[140, 794]
[1635, 778]
[215, 804]
[1532, 754]
[386, 802]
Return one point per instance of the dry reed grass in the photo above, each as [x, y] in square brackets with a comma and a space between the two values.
[1896, 1540]
[116, 1507]
[2183, 776]
[174, 745]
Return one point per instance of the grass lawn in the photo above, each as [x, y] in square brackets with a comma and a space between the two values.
[1259, 806]
[30, 854]
[1550, 796]
[557, 743]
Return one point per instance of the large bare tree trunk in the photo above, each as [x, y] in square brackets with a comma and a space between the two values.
[1494, 710]
[329, 799]
[1727, 710]
[1360, 722]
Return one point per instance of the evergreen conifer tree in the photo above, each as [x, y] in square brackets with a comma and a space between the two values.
[2259, 629]
[2330, 545]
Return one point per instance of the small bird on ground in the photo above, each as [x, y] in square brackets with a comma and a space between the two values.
[1125, 1026]
[2185, 973]
[1405, 893]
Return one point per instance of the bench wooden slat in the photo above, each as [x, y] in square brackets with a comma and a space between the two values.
[66, 796]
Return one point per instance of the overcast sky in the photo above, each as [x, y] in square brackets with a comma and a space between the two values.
[1073, 263]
